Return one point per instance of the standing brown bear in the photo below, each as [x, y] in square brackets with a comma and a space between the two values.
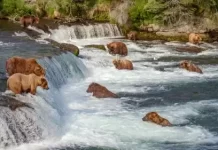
[188, 65]
[194, 38]
[117, 48]
[132, 35]
[24, 65]
[29, 20]
[123, 64]
[20, 83]
[155, 118]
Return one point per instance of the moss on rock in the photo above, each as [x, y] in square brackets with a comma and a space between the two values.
[101, 47]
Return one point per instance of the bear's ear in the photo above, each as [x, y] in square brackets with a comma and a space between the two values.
[43, 80]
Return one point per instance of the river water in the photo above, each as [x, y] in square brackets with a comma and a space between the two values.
[66, 117]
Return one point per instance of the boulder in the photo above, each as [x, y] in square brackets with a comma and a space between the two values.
[65, 46]
[43, 27]
[101, 47]
[190, 49]
[12, 103]
[70, 47]
[100, 91]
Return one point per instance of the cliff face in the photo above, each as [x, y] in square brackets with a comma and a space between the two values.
[120, 12]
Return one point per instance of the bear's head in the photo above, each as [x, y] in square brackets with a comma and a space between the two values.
[93, 87]
[111, 48]
[39, 71]
[115, 62]
[198, 38]
[36, 20]
[43, 83]
[184, 64]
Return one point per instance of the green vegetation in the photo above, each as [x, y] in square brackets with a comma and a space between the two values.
[172, 12]
[141, 12]
[14, 8]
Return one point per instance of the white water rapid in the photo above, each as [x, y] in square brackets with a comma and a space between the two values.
[74, 119]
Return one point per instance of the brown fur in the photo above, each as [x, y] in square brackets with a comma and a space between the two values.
[155, 118]
[20, 83]
[117, 48]
[100, 91]
[123, 64]
[132, 35]
[23, 65]
[188, 65]
[29, 20]
[194, 38]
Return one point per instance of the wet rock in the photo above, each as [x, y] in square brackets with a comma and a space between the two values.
[190, 49]
[12, 103]
[53, 42]
[154, 117]
[100, 91]
[163, 36]
[188, 65]
[65, 47]
[70, 48]
[43, 27]
[101, 47]
[123, 64]
[171, 33]
[213, 34]
[32, 33]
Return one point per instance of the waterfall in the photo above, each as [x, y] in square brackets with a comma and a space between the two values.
[60, 68]
[85, 32]
[29, 125]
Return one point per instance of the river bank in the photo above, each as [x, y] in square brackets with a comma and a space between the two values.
[150, 23]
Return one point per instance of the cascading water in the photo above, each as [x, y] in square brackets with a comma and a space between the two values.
[67, 116]
[61, 68]
[27, 125]
[85, 32]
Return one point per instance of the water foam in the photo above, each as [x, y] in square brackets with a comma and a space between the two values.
[88, 121]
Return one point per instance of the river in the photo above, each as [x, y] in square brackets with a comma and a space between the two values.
[66, 117]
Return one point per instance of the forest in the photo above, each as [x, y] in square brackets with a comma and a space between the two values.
[140, 12]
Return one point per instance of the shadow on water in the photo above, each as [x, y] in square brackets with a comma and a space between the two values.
[177, 93]
[82, 148]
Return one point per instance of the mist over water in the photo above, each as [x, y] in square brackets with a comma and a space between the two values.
[70, 118]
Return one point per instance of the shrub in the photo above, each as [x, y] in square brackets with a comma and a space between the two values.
[15, 7]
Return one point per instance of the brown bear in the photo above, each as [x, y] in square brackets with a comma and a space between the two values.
[23, 65]
[123, 64]
[29, 20]
[155, 118]
[132, 35]
[20, 83]
[194, 38]
[100, 91]
[188, 65]
[117, 48]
